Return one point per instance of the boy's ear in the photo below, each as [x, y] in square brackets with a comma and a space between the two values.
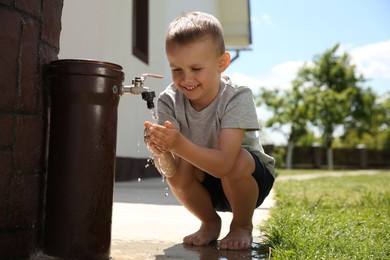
[224, 61]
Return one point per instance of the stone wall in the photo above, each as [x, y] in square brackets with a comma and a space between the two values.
[29, 39]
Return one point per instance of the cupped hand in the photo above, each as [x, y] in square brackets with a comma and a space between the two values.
[163, 138]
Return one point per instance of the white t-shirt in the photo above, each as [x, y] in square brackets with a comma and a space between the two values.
[233, 107]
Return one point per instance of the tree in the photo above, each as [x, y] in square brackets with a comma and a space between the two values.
[288, 109]
[385, 125]
[334, 96]
[376, 133]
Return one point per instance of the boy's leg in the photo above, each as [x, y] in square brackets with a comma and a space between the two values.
[242, 192]
[187, 187]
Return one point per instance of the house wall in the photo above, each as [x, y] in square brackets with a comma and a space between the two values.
[106, 35]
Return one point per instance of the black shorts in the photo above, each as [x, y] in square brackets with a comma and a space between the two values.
[262, 176]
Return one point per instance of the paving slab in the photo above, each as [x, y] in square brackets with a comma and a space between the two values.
[149, 223]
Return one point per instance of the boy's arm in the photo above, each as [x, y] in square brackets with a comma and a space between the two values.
[165, 163]
[217, 162]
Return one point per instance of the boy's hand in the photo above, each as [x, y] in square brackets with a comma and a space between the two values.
[150, 145]
[163, 138]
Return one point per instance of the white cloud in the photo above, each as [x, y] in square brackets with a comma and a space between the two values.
[254, 21]
[286, 71]
[372, 60]
[245, 80]
[280, 77]
[266, 19]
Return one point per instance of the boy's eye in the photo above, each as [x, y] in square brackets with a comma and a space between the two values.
[196, 69]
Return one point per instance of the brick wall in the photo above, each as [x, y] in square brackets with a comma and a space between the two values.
[29, 38]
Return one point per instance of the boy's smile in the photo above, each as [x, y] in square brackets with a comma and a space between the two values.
[196, 70]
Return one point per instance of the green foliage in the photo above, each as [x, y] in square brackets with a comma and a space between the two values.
[331, 218]
[308, 139]
[374, 133]
[279, 154]
[288, 108]
[329, 94]
[334, 94]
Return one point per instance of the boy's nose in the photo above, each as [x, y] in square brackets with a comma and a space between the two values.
[187, 78]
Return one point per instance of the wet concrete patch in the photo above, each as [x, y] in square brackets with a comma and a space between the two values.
[160, 250]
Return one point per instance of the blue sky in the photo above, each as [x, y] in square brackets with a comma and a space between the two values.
[285, 34]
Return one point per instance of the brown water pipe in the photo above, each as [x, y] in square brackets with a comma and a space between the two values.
[82, 150]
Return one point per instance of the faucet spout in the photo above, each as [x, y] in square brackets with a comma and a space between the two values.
[149, 97]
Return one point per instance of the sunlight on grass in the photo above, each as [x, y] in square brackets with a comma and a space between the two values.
[331, 218]
[283, 172]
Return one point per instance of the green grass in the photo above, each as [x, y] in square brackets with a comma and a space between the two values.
[331, 218]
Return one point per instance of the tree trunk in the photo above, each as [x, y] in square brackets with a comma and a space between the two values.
[289, 156]
[329, 156]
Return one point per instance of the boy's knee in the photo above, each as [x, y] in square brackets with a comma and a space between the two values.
[181, 180]
[243, 166]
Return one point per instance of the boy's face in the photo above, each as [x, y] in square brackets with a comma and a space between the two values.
[196, 70]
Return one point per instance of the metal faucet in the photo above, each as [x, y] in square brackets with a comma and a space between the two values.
[137, 87]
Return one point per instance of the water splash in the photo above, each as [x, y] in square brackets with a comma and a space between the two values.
[158, 161]
[166, 190]
[153, 112]
[139, 145]
[161, 166]
[149, 162]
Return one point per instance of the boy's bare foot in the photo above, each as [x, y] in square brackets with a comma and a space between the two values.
[238, 238]
[207, 233]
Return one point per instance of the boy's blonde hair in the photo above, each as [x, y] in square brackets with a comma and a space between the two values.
[194, 26]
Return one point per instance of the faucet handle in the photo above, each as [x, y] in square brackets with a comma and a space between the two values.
[145, 75]
[139, 81]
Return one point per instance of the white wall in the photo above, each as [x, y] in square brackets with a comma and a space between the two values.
[101, 30]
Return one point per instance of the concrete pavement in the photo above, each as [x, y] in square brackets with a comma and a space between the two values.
[149, 223]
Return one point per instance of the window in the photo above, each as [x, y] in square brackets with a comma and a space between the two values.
[141, 30]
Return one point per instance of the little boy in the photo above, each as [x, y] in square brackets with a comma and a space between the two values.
[205, 140]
